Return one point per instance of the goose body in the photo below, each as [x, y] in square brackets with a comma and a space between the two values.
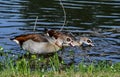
[39, 44]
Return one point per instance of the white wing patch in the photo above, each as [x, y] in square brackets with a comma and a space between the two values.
[16, 41]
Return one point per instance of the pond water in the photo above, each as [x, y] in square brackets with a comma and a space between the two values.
[97, 19]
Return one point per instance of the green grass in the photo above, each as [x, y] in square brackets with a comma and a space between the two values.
[52, 67]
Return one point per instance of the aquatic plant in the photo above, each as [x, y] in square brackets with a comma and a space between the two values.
[39, 66]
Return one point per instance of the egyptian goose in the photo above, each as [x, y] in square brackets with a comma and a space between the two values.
[60, 36]
[40, 44]
[83, 40]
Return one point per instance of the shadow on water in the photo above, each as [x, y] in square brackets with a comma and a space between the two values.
[98, 20]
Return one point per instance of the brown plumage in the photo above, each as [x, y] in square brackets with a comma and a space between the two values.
[34, 37]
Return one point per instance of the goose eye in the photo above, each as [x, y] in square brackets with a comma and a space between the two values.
[68, 39]
[89, 41]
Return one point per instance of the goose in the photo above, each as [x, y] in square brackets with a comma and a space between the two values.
[40, 44]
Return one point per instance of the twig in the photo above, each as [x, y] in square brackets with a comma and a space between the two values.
[35, 23]
[65, 18]
[64, 15]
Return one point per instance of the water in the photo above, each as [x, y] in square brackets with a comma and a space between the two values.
[99, 20]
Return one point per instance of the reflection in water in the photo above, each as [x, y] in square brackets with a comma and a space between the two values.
[98, 20]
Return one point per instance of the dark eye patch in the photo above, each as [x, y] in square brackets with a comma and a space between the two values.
[68, 39]
[89, 41]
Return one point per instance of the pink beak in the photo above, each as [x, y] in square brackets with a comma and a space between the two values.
[92, 44]
[71, 44]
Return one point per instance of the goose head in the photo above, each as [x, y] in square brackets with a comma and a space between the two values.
[64, 38]
[85, 40]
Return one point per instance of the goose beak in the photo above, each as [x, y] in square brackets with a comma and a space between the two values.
[68, 44]
[92, 44]
[71, 44]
